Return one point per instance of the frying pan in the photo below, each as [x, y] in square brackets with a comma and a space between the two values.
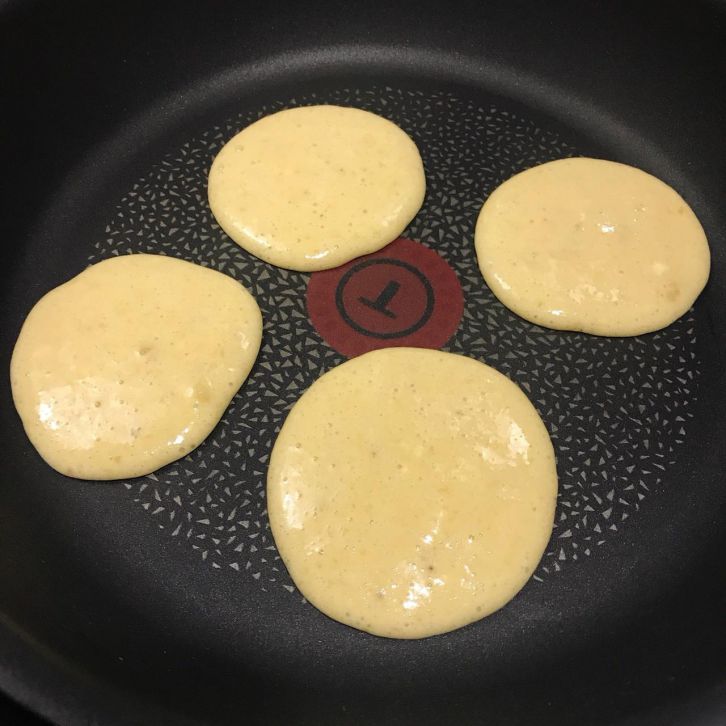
[150, 601]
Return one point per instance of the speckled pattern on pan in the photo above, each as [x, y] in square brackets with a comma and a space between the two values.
[617, 408]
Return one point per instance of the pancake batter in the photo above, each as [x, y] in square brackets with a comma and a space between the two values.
[131, 364]
[411, 492]
[592, 245]
[312, 187]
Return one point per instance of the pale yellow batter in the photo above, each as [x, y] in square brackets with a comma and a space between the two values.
[411, 492]
[130, 365]
[310, 188]
[592, 245]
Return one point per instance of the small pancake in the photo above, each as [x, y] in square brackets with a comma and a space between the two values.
[310, 188]
[411, 492]
[593, 246]
[131, 364]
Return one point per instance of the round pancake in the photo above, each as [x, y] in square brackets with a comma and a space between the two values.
[591, 245]
[312, 187]
[411, 492]
[131, 364]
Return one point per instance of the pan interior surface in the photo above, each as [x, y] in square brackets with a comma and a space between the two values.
[162, 599]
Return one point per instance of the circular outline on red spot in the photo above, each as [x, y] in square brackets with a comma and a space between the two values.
[340, 303]
[441, 326]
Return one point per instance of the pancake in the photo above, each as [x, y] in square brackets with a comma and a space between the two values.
[591, 245]
[131, 364]
[310, 188]
[411, 492]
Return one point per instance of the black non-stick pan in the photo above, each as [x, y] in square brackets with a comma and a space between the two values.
[161, 600]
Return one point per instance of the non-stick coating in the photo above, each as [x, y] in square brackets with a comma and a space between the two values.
[104, 618]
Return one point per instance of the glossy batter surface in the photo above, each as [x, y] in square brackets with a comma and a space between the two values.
[130, 364]
[411, 492]
[591, 245]
[312, 187]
